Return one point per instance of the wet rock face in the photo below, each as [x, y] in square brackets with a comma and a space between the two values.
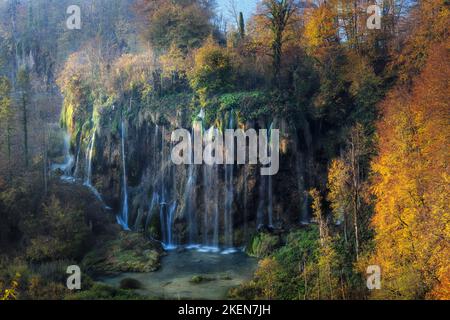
[214, 206]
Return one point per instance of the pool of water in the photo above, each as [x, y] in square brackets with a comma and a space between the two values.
[179, 270]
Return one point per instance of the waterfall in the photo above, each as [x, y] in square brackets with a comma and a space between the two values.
[216, 206]
[189, 194]
[122, 219]
[153, 202]
[166, 195]
[265, 193]
[229, 196]
[67, 166]
[189, 200]
[211, 198]
[77, 161]
[88, 169]
[170, 215]
[244, 190]
[207, 204]
[162, 192]
[89, 153]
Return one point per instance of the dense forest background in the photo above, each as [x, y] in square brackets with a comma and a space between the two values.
[371, 107]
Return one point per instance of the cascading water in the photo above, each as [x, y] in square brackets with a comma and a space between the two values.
[88, 174]
[67, 166]
[189, 200]
[190, 193]
[170, 215]
[167, 199]
[229, 198]
[245, 190]
[211, 205]
[265, 193]
[89, 153]
[153, 203]
[122, 219]
[77, 161]
[210, 217]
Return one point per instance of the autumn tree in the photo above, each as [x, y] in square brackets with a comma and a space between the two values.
[213, 69]
[321, 29]
[327, 280]
[267, 273]
[278, 13]
[185, 24]
[174, 64]
[411, 185]
[347, 188]
[339, 194]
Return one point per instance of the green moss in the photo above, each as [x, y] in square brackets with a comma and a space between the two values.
[131, 252]
[154, 225]
[287, 265]
[197, 279]
[263, 244]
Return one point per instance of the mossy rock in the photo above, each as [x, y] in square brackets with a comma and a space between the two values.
[131, 252]
[200, 279]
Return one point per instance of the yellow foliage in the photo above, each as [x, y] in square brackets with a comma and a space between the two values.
[320, 29]
[11, 292]
[267, 275]
[412, 216]
[173, 62]
[130, 71]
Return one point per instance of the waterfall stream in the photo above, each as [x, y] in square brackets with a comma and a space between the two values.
[77, 161]
[190, 194]
[89, 153]
[88, 169]
[210, 231]
[67, 166]
[265, 191]
[122, 219]
[229, 196]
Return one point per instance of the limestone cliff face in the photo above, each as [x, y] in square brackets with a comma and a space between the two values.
[220, 205]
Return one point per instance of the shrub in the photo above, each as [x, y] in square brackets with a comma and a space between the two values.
[63, 233]
[263, 244]
[213, 70]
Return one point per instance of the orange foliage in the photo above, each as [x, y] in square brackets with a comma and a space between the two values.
[412, 216]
